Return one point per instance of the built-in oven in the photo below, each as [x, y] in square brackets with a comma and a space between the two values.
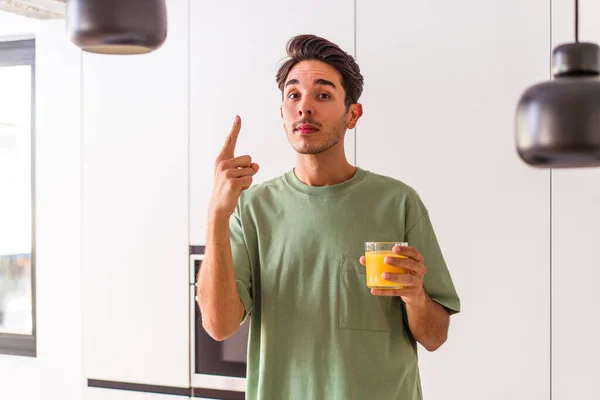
[215, 365]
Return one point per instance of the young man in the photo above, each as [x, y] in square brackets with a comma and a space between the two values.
[288, 253]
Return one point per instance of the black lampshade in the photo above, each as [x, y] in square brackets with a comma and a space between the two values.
[117, 26]
[558, 122]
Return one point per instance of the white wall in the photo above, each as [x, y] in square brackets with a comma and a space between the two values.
[16, 27]
[57, 367]
[59, 212]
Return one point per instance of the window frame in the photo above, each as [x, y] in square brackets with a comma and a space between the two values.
[14, 53]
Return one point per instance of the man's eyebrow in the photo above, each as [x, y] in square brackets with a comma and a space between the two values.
[324, 82]
[317, 82]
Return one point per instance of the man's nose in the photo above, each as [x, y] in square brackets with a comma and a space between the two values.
[305, 109]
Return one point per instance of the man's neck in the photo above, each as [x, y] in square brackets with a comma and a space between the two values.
[320, 170]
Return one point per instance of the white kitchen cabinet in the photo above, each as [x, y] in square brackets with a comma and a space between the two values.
[575, 277]
[442, 80]
[236, 47]
[575, 262]
[111, 394]
[135, 212]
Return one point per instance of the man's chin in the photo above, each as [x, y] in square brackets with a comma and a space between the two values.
[309, 150]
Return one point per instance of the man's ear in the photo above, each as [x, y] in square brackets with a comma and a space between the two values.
[356, 111]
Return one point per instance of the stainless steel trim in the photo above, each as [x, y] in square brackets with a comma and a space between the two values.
[193, 258]
[219, 382]
[205, 380]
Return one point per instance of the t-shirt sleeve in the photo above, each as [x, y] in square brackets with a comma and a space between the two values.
[437, 281]
[241, 263]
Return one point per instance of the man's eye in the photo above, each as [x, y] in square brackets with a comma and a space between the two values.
[324, 96]
[293, 96]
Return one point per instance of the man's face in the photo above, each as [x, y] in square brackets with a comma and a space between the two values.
[313, 110]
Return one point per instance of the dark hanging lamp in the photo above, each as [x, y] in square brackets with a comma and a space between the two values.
[117, 26]
[558, 122]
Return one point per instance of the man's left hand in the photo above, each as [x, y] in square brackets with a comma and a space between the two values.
[413, 292]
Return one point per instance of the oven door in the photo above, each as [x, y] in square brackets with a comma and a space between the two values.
[215, 365]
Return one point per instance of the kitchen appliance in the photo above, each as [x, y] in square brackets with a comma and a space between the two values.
[215, 365]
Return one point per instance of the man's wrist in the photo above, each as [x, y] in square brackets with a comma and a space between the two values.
[420, 300]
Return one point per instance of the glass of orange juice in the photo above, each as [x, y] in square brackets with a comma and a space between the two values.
[375, 254]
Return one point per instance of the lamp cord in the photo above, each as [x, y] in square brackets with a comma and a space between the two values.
[576, 21]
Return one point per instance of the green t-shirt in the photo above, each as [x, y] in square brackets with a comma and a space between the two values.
[316, 331]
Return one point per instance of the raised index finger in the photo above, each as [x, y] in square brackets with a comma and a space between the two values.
[228, 150]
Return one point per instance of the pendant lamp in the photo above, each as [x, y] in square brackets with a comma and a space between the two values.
[558, 121]
[117, 26]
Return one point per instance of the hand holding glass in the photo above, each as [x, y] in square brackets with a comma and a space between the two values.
[375, 254]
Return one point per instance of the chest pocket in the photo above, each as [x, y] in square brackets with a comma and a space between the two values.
[358, 308]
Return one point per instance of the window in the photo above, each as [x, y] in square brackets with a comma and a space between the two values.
[17, 198]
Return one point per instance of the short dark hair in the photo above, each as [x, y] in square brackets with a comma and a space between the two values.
[311, 47]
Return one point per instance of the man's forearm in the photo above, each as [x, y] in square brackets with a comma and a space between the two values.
[218, 296]
[428, 323]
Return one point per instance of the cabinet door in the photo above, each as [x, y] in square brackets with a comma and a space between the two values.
[135, 212]
[575, 275]
[109, 394]
[442, 81]
[575, 233]
[236, 47]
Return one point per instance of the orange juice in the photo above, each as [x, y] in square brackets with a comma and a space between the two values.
[376, 267]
